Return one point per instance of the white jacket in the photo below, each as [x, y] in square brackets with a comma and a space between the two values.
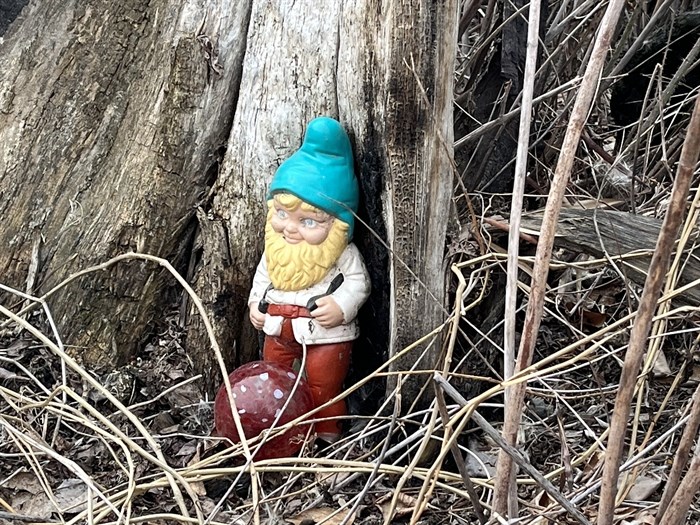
[350, 296]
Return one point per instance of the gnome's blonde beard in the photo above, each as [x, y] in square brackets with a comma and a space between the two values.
[294, 267]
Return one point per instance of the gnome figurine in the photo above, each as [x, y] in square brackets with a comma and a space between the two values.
[311, 280]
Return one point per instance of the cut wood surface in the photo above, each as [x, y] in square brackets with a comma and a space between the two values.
[627, 238]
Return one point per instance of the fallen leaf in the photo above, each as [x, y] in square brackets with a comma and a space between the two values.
[5, 374]
[542, 500]
[644, 518]
[321, 515]
[328, 480]
[404, 505]
[481, 464]
[592, 318]
[695, 376]
[643, 487]
[71, 496]
[661, 368]
[25, 481]
[197, 486]
[16, 349]
[37, 505]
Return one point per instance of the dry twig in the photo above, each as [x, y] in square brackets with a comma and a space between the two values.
[640, 330]
[544, 248]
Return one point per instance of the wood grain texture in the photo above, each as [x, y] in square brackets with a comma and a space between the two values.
[157, 126]
[403, 72]
[615, 233]
[288, 78]
[111, 115]
[363, 63]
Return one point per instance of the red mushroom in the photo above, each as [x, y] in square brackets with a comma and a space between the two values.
[260, 390]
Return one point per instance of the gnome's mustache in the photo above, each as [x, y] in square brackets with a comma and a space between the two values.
[294, 267]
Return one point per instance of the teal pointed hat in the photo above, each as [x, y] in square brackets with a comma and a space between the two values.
[321, 172]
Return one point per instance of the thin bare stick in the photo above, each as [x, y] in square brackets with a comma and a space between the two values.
[507, 117]
[579, 114]
[640, 331]
[517, 456]
[641, 38]
[11, 516]
[516, 206]
[212, 339]
[171, 475]
[459, 459]
[688, 489]
[682, 453]
[516, 209]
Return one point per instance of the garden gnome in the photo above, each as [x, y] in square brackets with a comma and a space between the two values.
[311, 280]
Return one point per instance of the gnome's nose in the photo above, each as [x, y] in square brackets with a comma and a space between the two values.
[291, 233]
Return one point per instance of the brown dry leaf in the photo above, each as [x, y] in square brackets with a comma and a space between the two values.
[593, 462]
[325, 479]
[321, 515]
[695, 376]
[542, 500]
[661, 368]
[25, 481]
[644, 518]
[71, 496]
[481, 464]
[643, 487]
[38, 506]
[197, 486]
[592, 319]
[29, 497]
[404, 505]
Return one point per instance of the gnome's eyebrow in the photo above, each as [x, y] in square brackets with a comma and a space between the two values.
[321, 215]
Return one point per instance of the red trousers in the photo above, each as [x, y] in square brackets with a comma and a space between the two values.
[326, 368]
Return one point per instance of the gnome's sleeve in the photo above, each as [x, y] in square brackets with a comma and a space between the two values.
[260, 282]
[355, 289]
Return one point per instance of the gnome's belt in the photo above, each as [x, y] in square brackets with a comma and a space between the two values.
[288, 311]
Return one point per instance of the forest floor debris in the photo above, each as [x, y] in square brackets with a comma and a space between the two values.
[61, 463]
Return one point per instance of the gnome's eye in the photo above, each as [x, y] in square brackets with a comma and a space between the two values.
[309, 223]
[282, 214]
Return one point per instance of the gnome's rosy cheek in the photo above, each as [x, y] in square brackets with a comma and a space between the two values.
[278, 224]
[314, 231]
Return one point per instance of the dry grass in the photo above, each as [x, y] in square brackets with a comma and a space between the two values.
[60, 421]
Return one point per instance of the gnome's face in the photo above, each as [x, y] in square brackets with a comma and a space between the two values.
[302, 243]
[301, 225]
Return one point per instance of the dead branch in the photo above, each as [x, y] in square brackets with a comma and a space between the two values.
[640, 330]
[681, 458]
[626, 238]
[513, 452]
[682, 499]
[533, 317]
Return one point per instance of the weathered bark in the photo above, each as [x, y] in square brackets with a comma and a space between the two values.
[405, 131]
[113, 123]
[288, 78]
[353, 63]
[111, 118]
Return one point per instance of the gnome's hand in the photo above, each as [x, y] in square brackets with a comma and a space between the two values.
[327, 312]
[257, 318]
